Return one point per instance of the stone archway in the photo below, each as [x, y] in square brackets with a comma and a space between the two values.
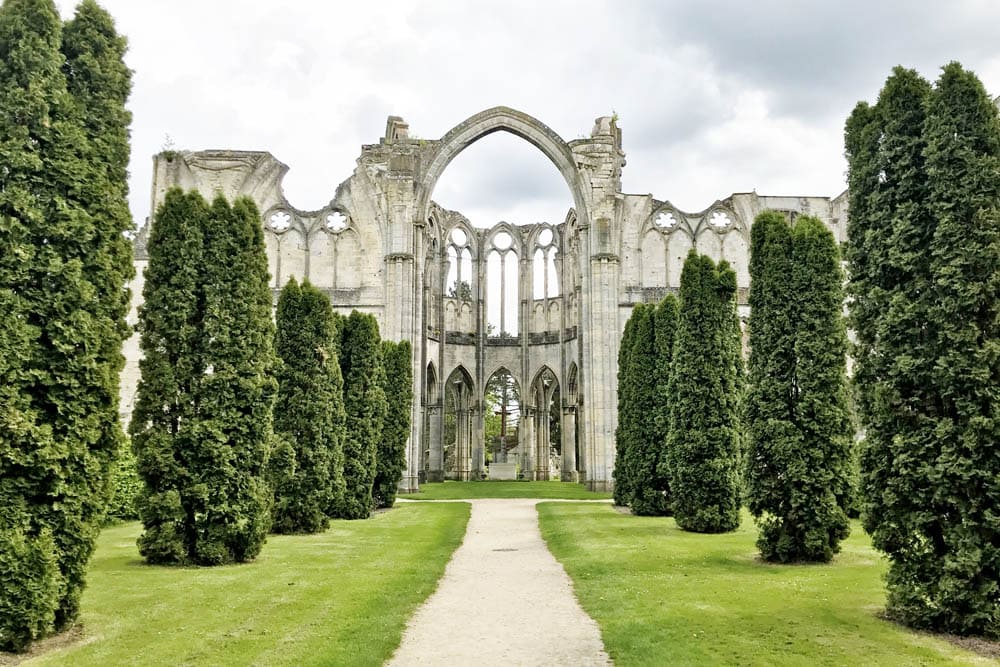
[492, 120]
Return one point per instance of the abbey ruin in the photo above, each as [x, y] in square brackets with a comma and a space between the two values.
[542, 303]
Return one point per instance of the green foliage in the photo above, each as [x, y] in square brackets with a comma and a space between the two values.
[164, 419]
[703, 442]
[799, 463]
[643, 383]
[622, 492]
[202, 426]
[365, 408]
[125, 488]
[63, 269]
[309, 412]
[398, 390]
[31, 583]
[925, 278]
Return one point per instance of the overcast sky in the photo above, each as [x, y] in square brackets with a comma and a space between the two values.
[712, 97]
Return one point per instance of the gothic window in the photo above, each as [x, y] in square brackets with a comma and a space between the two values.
[459, 283]
[546, 276]
[502, 287]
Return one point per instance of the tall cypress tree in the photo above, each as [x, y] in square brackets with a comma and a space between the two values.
[57, 466]
[646, 444]
[704, 434]
[235, 398]
[309, 409]
[365, 407]
[960, 590]
[924, 277]
[798, 467]
[623, 481]
[398, 389]
[172, 364]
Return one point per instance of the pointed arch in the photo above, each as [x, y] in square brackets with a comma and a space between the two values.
[504, 119]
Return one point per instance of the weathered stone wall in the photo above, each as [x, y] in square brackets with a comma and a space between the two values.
[382, 246]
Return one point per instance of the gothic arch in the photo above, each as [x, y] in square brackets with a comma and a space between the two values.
[498, 119]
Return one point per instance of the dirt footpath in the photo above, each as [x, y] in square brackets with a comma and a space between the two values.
[503, 600]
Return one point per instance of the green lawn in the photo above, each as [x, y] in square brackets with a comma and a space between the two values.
[339, 598]
[663, 596]
[486, 489]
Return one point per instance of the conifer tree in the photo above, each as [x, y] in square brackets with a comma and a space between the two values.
[60, 257]
[365, 407]
[398, 389]
[309, 411]
[235, 398]
[798, 468]
[924, 278]
[622, 492]
[646, 442]
[163, 426]
[703, 440]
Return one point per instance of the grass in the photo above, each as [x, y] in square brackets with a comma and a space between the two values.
[337, 598]
[663, 596]
[486, 489]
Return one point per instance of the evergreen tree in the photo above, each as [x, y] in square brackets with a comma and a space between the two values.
[398, 389]
[646, 442]
[234, 399]
[924, 276]
[704, 435]
[309, 412]
[622, 492]
[164, 417]
[799, 464]
[955, 584]
[365, 407]
[60, 258]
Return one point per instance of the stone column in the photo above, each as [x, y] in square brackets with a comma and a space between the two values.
[462, 448]
[568, 473]
[527, 445]
[543, 462]
[435, 472]
[478, 425]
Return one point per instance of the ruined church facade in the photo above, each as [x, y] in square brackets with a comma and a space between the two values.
[544, 303]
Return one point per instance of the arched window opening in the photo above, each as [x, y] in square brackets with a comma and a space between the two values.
[544, 268]
[501, 287]
[503, 415]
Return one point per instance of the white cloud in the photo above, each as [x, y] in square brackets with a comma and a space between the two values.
[712, 97]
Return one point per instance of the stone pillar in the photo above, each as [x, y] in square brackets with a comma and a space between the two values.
[543, 463]
[462, 453]
[435, 415]
[568, 472]
[527, 445]
[478, 424]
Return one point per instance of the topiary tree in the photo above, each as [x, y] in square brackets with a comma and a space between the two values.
[308, 411]
[703, 441]
[646, 441]
[397, 386]
[54, 198]
[622, 491]
[164, 418]
[365, 407]
[798, 468]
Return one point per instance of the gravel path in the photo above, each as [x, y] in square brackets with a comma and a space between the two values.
[503, 600]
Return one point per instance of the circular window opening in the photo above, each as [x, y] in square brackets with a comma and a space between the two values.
[545, 237]
[502, 241]
[336, 222]
[720, 220]
[458, 236]
[665, 220]
[280, 221]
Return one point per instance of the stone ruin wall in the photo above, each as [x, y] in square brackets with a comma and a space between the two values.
[380, 246]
